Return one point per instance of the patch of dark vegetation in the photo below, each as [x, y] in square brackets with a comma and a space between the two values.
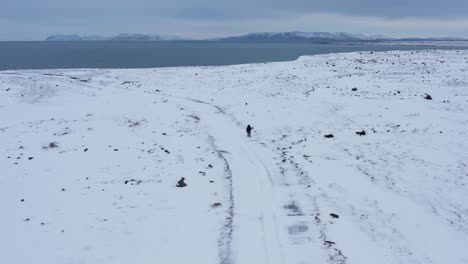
[294, 208]
[297, 229]
[195, 117]
[133, 123]
[329, 243]
[133, 182]
[65, 131]
[51, 145]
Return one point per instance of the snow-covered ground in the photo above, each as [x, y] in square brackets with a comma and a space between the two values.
[90, 160]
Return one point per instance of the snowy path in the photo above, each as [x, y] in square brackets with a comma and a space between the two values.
[255, 223]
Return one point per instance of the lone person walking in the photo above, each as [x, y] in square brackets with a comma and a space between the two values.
[249, 130]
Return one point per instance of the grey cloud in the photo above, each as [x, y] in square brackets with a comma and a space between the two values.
[40, 17]
[209, 9]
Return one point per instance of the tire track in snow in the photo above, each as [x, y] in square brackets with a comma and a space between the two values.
[288, 166]
[225, 238]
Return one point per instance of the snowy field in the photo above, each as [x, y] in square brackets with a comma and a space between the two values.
[90, 160]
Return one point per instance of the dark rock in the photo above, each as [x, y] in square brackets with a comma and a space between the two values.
[334, 215]
[22, 200]
[329, 243]
[181, 183]
[361, 133]
[30, 158]
[216, 205]
[329, 136]
[428, 97]
[86, 149]
[354, 89]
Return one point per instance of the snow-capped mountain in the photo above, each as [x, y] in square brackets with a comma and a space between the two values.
[75, 37]
[304, 36]
[143, 37]
[120, 37]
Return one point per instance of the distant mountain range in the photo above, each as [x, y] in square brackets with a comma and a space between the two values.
[120, 37]
[295, 36]
[304, 37]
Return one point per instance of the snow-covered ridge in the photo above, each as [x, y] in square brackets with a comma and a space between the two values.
[354, 158]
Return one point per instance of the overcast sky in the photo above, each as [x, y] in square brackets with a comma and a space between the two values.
[36, 19]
